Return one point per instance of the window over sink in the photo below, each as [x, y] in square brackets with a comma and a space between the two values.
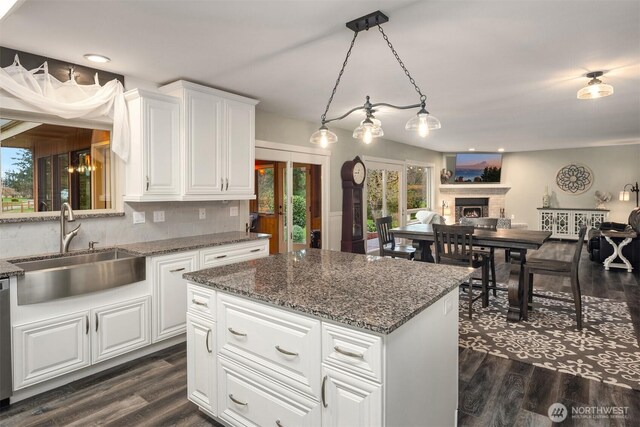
[44, 165]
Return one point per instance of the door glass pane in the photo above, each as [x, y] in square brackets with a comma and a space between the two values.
[300, 205]
[266, 195]
[383, 197]
[417, 190]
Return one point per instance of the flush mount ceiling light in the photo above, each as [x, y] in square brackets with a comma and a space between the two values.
[595, 88]
[94, 57]
[422, 122]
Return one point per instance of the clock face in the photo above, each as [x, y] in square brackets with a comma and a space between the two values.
[358, 173]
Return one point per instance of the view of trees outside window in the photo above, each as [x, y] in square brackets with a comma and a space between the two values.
[382, 196]
[17, 180]
[417, 190]
[299, 205]
[266, 194]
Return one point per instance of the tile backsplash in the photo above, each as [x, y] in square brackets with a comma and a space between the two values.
[181, 220]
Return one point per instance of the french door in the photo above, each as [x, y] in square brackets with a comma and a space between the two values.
[290, 199]
[384, 196]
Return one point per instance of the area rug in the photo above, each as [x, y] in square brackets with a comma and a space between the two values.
[605, 350]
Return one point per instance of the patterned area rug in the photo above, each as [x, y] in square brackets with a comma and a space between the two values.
[605, 350]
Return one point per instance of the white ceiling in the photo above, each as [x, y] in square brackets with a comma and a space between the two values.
[496, 73]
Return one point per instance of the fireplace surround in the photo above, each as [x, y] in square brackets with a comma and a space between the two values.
[471, 207]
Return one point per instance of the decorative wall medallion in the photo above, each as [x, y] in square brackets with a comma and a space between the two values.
[574, 178]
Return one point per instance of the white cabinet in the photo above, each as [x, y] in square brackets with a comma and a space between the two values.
[218, 136]
[50, 348]
[566, 223]
[120, 328]
[350, 401]
[229, 254]
[170, 293]
[153, 170]
[201, 362]
[276, 367]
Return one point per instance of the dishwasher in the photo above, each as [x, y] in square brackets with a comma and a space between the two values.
[5, 345]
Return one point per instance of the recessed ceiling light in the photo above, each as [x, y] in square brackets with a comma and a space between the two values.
[94, 57]
[500, 150]
[472, 149]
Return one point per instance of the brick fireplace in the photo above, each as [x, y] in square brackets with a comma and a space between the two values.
[471, 207]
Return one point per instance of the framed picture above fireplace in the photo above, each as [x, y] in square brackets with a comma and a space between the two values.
[474, 168]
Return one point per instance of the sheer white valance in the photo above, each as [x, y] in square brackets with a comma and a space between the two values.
[70, 100]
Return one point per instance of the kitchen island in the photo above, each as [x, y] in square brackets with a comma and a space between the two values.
[325, 338]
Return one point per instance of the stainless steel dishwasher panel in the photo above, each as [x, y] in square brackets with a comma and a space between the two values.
[6, 386]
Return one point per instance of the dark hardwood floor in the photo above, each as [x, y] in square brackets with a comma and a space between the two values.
[493, 391]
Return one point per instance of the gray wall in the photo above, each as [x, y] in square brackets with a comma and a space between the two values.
[528, 173]
[181, 219]
[275, 128]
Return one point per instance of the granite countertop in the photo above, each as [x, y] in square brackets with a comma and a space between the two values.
[8, 270]
[369, 292]
[156, 247]
[166, 246]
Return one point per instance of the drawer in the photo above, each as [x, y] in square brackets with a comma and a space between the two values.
[356, 352]
[229, 254]
[246, 398]
[279, 344]
[201, 300]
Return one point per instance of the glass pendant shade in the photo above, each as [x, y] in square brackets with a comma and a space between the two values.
[423, 122]
[595, 89]
[369, 128]
[323, 137]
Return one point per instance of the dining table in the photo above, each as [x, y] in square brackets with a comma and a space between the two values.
[502, 238]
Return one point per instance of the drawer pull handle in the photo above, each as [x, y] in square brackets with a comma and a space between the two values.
[255, 250]
[87, 328]
[283, 351]
[196, 302]
[278, 423]
[177, 269]
[206, 340]
[240, 334]
[348, 353]
[97, 321]
[324, 400]
[236, 401]
[221, 256]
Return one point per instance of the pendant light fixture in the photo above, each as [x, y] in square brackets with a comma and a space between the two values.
[595, 88]
[370, 128]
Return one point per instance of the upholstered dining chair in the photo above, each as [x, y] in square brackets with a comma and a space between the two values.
[486, 224]
[538, 264]
[388, 246]
[453, 245]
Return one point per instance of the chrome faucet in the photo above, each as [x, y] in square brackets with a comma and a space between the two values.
[65, 238]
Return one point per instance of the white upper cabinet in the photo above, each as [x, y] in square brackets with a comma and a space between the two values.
[218, 137]
[153, 170]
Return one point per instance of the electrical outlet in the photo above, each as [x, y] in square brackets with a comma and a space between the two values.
[233, 211]
[138, 218]
[158, 216]
[448, 305]
[202, 213]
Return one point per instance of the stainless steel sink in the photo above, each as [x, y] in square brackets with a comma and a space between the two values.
[50, 279]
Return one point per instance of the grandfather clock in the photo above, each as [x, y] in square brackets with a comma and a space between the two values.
[353, 173]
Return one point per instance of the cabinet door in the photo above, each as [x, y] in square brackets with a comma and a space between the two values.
[350, 401]
[597, 218]
[170, 293]
[161, 147]
[546, 221]
[239, 147]
[120, 328]
[201, 363]
[580, 219]
[562, 224]
[50, 348]
[203, 154]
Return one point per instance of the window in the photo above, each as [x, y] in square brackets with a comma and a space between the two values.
[45, 165]
[265, 189]
[419, 191]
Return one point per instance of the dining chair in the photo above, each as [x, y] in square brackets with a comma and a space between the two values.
[388, 246]
[454, 245]
[538, 264]
[486, 224]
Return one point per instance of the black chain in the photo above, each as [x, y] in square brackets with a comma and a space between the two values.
[344, 64]
[423, 98]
